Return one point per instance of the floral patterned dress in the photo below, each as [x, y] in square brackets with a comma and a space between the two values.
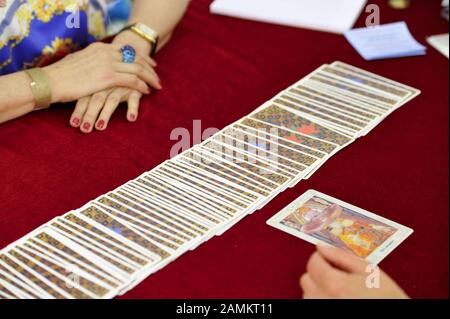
[39, 32]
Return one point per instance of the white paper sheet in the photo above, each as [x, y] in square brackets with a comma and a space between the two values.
[386, 41]
[335, 16]
[440, 43]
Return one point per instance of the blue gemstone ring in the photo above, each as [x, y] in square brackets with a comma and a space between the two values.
[128, 54]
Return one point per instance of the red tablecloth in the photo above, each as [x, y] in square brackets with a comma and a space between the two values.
[218, 69]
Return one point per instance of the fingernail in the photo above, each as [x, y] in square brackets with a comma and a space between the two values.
[86, 126]
[76, 121]
[132, 117]
[101, 124]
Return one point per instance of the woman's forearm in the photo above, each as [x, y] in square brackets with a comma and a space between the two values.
[161, 16]
[16, 98]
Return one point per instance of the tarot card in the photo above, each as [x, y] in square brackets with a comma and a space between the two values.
[336, 117]
[264, 179]
[329, 72]
[44, 288]
[189, 228]
[74, 281]
[49, 280]
[237, 153]
[6, 293]
[58, 248]
[280, 117]
[246, 192]
[349, 68]
[168, 196]
[351, 102]
[332, 102]
[186, 183]
[300, 153]
[265, 171]
[241, 196]
[109, 242]
[250, 152]
[194, 202]
[308, 156]
[224, 173]
[324, 121]
[150, 217]
[227, 200]
[216, 211]
[178, 217]
[120, 212]
[347, 95]
[124, 267]
[187, 201]
[344, 121]
[14, 288]
[100, 214]
[260, 147]
[120, 244]
[210, 157]
[74, 268]
[319, 218]
[311, 146]
[286, 150]
[371, 118]
[350, 90]
[364, 81]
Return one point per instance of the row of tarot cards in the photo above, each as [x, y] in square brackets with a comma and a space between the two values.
[111, 244]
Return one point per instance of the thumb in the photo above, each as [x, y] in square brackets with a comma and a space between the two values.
[342, 259]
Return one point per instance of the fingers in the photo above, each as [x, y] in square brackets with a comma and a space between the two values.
[146, 74]
[96, 103]
[153, 63]
[130, 81]
[342, 259]
[80, 109]
[322, 273]
[310, 289]
[133, 106]
[112, 102]
[96, 111]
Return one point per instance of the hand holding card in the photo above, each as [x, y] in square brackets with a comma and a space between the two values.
[333, 273]
[322, 219]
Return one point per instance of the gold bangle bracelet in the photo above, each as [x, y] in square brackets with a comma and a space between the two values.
[40, 87]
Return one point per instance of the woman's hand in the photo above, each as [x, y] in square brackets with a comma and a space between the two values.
[334, 273]
[95, 111]
[97, 68]
[99, 108]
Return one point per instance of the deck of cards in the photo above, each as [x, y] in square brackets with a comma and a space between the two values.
[322, 219]
[114, 242]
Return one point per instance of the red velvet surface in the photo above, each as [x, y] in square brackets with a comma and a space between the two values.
[218, 69]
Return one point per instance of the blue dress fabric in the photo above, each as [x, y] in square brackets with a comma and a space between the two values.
[40, 32]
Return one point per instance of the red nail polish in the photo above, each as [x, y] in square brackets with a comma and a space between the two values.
[87, 126]
[132, 117]
[76, 121]
[101, 124]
